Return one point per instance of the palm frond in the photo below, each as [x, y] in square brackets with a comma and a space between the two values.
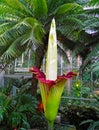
[24, 21]
[92, 7]
[6, 26]
[8, 36]
[15, 40]
[17, 5]
[65, 8]
[21, 28]
[39, 8]
[92, 11]
[53, 4]
[86, 38]
[70, 27]
[94, 2]
[7, 12]
[92, 23]
[37, 31]
[13, 51]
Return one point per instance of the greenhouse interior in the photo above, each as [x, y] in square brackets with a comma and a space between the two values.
[49, 64]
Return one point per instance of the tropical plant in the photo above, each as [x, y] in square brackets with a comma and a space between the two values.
[39, 121]
[16, 111]
[51, 85]
[27, 27]
[4, 103]
[83, 117]
[94, 125]
[91, 44]
[24, 24]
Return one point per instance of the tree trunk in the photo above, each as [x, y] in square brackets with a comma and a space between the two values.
[40, 53]
[38, 62]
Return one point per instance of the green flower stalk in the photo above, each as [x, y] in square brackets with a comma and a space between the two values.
[51, 85]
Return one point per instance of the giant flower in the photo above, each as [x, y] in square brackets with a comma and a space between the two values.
[51, 85]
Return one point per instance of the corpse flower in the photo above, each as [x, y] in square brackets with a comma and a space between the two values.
[51, 85]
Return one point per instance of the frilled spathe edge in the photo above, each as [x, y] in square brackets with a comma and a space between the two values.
[50, 83]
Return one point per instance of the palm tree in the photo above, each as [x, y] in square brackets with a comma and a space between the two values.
[24, 24]
[88, 44]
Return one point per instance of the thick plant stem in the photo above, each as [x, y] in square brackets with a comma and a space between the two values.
[50, 125]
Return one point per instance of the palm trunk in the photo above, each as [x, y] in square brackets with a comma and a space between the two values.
[40, 53]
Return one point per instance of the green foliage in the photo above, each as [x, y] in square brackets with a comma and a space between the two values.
[39, 121]
[94, 2]
[4, 103]
[94, 125]
[40, 8]
[90, 76]
[16, 110]
[95, 66]
[65, 8]
[79, 90]
[77, 114]
[27, 24]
